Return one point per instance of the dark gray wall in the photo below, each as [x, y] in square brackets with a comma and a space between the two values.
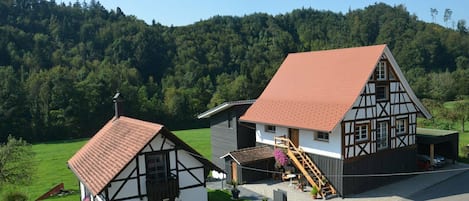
[387, 161]
[246, 175]
[332, 168]
[447, 146]
[228, 135]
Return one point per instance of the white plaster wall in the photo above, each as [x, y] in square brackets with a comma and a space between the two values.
[306, 140]
[332, 148]
[186, 179]
[194, 194]
[188, 159]
[268, 137]
[82, 191]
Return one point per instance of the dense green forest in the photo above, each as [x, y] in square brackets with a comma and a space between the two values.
[60, 64]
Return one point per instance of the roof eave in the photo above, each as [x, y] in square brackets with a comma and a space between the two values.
[406, 85]
[222, 107]
[81, 180]
[287, 126]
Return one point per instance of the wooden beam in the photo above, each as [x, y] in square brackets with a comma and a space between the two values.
[432, 153]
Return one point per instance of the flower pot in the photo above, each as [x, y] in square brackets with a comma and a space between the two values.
[235, 193]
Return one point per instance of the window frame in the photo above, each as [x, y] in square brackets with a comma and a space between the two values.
[321, 136]
[270, 128]
[379, 135]
[165, 164]
[399, 127]
[385, 92]
[381, 71]
[359, 128]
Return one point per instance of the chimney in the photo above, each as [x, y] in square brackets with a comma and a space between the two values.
[117, 105]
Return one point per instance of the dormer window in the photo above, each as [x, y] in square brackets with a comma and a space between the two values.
[381, 70]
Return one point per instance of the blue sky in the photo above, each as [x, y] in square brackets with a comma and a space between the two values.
[184, 12]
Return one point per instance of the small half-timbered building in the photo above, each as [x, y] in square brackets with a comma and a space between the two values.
[130, 159]
[341, 113]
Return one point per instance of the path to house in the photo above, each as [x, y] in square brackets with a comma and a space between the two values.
[402, 190]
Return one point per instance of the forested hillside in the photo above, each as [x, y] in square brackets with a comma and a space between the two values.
[60, 64]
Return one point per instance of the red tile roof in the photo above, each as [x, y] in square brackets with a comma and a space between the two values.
[114, 146]
[110, 150]
[314, 90]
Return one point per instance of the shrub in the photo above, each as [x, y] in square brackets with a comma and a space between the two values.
[280, 157]
[15, 196]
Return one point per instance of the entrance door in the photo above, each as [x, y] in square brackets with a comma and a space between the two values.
[234, 171]
[293, 135]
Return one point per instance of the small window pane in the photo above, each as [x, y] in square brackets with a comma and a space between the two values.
[270, 128]
[381, 93]
[322, 136]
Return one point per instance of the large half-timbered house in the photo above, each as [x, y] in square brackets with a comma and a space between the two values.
[346, 112]
[130, 159]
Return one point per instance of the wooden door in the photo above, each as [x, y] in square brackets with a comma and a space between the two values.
[294, 136]
[234, 171]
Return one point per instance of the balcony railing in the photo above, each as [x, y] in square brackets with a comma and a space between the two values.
[157, 191]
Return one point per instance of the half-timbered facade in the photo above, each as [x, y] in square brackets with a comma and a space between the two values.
[130, 159]
[350, 110]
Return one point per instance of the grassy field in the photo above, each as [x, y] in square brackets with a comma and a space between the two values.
[51, 159]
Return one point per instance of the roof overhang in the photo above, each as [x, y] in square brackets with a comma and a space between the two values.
[222, 107]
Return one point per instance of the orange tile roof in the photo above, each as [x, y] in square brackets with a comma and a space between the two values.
[115, 145]
[110, 150]
[314, 90]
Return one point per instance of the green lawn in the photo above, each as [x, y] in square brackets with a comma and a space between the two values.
[199, 139]
[445, 124]
[51, 159]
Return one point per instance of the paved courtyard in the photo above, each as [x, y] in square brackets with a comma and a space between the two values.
[401, 190]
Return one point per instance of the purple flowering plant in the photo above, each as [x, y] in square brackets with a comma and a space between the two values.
[280, 158]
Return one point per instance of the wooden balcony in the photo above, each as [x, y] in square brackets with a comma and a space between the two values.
[157, 191]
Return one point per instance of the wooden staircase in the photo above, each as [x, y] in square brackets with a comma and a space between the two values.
[307, 167]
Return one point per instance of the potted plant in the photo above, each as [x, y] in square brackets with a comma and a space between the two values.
[234, 189]
[314, 192]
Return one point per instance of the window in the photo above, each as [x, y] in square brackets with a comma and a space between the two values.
[381, 92]
[361, 132]
[382, 135]
[270, 128]
[157, 167]
[229, 119]
[401, 126]
[381, 71]
[322, 136]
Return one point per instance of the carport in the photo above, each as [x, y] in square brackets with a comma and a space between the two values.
[441, 142]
